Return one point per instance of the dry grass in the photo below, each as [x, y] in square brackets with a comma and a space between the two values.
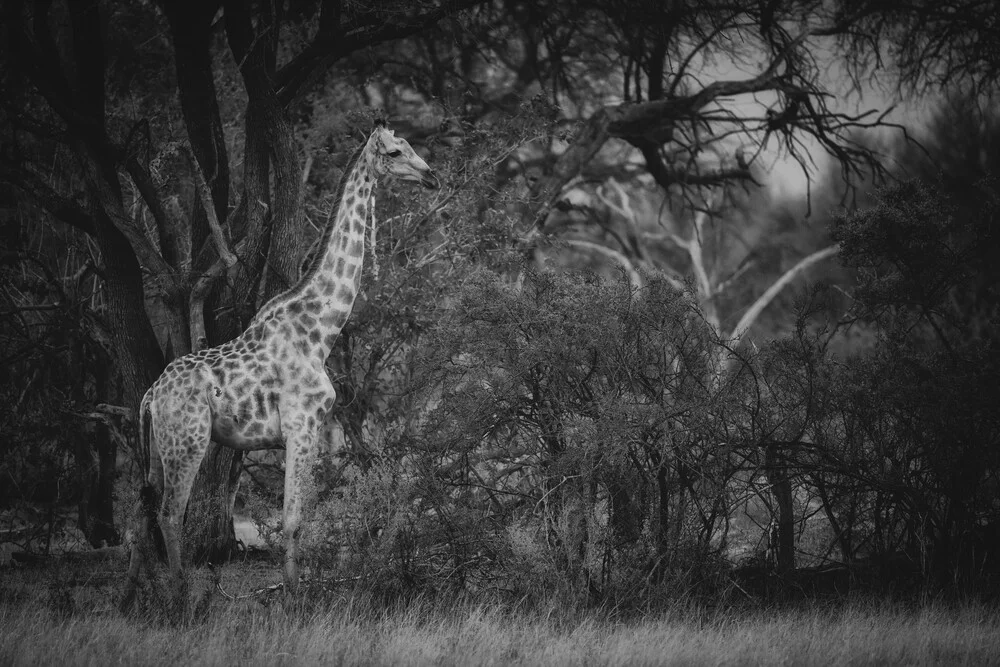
[39, 626]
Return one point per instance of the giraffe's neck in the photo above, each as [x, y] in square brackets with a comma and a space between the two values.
[318, 306]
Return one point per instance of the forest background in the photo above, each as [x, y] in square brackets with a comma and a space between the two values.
[705, 307]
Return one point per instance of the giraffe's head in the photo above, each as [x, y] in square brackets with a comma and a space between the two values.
[395, 157]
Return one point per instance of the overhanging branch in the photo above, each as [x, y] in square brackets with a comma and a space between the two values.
[335, 40]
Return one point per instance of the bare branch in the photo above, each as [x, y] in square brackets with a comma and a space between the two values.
[196, 304]
[199, 291]
[682, 70]
[745, 266]
[205, 195]
[654, 121]
[628, 214]
[588, 140]
[750, 316]
[633, 276]
[116, 410]
[150, 195]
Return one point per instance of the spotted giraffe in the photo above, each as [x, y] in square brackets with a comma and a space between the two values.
[268, 388]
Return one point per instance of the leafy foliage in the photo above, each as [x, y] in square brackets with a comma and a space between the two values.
[548, 420]
[918, 417]
[506, 427]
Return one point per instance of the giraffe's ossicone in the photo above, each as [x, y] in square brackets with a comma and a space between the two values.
[268, 388]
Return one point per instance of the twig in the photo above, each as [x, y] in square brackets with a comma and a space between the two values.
[267, 589]
[114, 410]
[277, 587]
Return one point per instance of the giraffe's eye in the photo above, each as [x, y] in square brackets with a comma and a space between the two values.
[394, 153]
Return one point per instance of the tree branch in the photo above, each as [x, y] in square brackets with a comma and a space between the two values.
[750, 316]
[144, 184]
[334, 41]
[196, 304]
[205, 195]
[191, 30]
[633, 276]
[249, 48]
[586, 143]
[654, 121]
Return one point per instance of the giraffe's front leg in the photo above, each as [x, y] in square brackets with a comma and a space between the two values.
[298, 461]
[301, 425]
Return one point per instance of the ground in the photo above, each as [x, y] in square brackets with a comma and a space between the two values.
[66, 613]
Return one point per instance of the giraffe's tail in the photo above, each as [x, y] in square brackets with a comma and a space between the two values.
[144, 434]
[146, 509]
[153, 469]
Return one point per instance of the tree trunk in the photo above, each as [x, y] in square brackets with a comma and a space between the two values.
[103, 531]
[102, 497]
[86, 473]
[210, 515]
[191, 30]
[661, 529]
[625, 513]
[209, 536]
[286, 247]
[783, 540]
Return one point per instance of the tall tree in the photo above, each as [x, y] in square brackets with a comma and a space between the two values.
[66, 65]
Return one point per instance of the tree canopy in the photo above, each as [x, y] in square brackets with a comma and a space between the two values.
[595, 338]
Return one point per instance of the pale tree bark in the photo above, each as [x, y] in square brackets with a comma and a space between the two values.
[753, 312]
[669, 122]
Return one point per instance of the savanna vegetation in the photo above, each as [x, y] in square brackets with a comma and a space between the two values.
[702, 324]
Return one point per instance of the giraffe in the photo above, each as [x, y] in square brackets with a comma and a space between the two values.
[268, 387]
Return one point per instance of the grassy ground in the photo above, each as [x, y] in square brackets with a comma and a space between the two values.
[68, 618]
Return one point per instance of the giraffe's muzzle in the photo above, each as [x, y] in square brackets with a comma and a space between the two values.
[429, 180]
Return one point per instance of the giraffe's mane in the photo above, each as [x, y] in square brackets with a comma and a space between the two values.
[331, 220]
[328, 231]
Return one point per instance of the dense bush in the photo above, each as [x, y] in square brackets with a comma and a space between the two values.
[562, 433]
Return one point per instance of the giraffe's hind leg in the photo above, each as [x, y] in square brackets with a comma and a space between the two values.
[181, 452]
[146, 511]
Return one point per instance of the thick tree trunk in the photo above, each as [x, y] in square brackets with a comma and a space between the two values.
[102, 504]
[96, 460]
[209, 534]
[576, 502]
[286, 246]
[626, 511]
[86, 473]
[210, 520]
[102, 498]
[190, 27]
[252, 222]
[139, 359]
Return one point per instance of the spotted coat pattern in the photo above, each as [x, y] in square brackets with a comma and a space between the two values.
[268, 388]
